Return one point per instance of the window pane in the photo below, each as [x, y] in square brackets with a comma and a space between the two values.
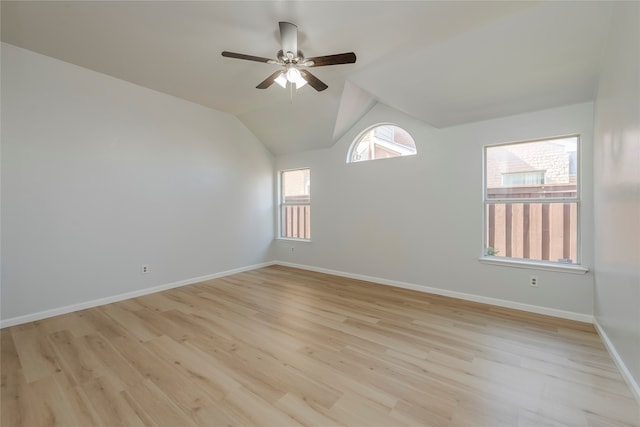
[295, 208]
[535, 231]
[295, 221]
[296, 186]
[539, 169]
[382, 142]
[511, 179]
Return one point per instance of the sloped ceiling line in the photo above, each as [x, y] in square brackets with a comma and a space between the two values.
[444, 63]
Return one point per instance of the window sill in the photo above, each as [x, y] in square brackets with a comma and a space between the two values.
[291, 239]
[517, 263]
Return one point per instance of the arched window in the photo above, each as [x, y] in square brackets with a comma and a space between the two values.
[381, 142]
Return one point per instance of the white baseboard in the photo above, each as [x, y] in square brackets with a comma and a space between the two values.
[469, 297]
[580, 317]
[622, 367]
[115, 298]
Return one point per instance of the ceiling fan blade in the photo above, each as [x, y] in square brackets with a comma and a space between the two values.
[269, 80]
[340, 58]
[289, 37]
[247, 57]
[313, 81]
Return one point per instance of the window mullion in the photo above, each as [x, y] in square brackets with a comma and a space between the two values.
[546, 200]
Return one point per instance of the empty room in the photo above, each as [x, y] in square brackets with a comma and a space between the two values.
[320, 213]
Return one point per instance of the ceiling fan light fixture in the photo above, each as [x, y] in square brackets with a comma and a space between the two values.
[281, 80]
[294, 77]
[300, 82]
[293, 74]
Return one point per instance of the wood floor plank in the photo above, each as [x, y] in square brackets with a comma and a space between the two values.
[305, 411]
[72, 322]
[194, 367]
[146, 398]
[356, 410]
[76, 359]
[48, 405]
[124, 316]
[13, 382]
[112, 408]
[119, 368]
[79, 405]
[184, 393]
[36, 354]
[279, 346]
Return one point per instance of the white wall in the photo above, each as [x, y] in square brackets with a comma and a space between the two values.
[100, 176]
[418, 219]
[617, 190]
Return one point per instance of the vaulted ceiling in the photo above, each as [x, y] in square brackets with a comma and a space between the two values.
[445, 63]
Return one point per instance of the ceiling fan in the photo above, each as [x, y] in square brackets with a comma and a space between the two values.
[293, 62]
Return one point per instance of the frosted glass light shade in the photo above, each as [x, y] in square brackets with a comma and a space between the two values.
[281, 80]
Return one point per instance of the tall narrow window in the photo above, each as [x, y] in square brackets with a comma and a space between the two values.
[531, 200]
[295, 204]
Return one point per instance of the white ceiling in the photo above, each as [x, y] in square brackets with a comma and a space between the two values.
[445, 63]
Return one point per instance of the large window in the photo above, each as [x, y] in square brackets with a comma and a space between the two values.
[531, 200]
[381, 142]
[295, 204]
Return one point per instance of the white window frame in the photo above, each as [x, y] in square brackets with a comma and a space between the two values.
[281, 203]
[576, 267]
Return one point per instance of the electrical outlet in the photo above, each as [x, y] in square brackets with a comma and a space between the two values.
[145, 268]
[533, 281]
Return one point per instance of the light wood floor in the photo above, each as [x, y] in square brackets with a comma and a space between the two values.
[279, 347]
